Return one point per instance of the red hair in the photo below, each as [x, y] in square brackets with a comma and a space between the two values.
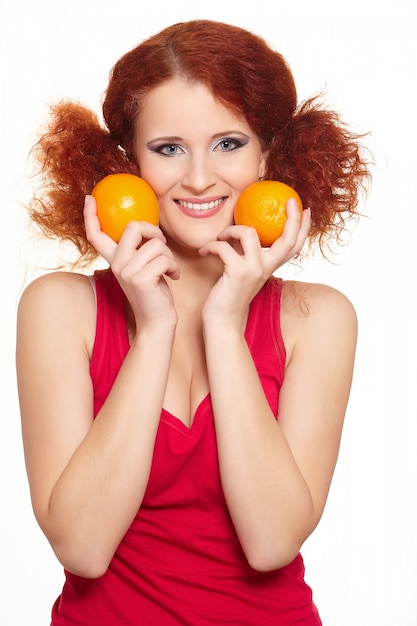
[309, 148]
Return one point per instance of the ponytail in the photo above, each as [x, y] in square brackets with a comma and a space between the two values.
[323, 161]
[73, 155]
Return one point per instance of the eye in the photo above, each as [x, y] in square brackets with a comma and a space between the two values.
[228, 144]
[169, 149]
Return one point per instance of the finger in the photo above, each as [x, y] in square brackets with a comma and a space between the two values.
[296, 228]
[247, 235]
[133, 238]
[305, 223]
[292, 225]
[156, 250]
[243, 239]
[130, 261]
[302, 234]
[293, 238]
[135, 232]
[149, 276]
[220, 248]
[165, 266]
[102, 243]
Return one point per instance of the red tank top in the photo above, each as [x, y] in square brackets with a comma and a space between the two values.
[180, 563]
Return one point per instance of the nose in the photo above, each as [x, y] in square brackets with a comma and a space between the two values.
[200, 174]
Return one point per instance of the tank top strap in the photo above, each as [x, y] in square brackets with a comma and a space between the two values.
[264, 337]
[274, 294]
[111, 341]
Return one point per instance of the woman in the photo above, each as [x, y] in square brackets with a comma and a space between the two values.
[170, 485]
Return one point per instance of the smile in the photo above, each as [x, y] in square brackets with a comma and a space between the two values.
[200, 209]
[200, 206]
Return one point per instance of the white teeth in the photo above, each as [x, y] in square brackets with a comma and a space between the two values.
[200, 206]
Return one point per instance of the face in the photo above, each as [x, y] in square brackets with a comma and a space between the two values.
[198, 156]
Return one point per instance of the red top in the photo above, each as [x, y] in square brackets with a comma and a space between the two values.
[180, 563]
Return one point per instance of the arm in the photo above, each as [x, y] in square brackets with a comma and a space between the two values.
[276, 476]
[88, 477]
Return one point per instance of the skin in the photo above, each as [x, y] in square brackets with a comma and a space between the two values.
[190, 283]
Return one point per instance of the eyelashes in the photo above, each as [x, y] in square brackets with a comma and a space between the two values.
[168, 149]
[228, 144]
[172, 149]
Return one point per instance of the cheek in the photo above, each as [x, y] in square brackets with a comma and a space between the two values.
[156, 181]
[160, 178]
[246, 171]
[244, 177]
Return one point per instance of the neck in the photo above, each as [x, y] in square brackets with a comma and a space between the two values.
[198, 275]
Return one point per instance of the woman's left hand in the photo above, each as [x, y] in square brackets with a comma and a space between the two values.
[247, 266]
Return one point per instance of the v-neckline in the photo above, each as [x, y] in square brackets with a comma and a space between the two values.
[201, 410]
[175, 422]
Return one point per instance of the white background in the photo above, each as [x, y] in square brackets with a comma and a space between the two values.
[362, 560]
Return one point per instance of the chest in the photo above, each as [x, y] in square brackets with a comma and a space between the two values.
[187, 383]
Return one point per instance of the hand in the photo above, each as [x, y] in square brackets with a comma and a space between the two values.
[140, 262]
[247, 266]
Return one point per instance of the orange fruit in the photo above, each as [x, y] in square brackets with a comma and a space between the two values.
[122, 198]
[262, 206]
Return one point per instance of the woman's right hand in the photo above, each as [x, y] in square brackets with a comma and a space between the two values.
[140, 262]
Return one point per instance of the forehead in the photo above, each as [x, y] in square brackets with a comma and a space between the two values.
[181, 102]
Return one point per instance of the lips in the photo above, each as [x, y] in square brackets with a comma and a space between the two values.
[196, 208]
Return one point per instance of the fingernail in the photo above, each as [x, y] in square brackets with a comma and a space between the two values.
[293, 203]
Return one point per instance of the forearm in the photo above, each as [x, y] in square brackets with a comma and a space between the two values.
[99, 492]
[268, 498]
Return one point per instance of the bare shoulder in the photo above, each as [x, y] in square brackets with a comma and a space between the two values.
[59, 298]
[310, 300]
[316, 311]
[58, 284]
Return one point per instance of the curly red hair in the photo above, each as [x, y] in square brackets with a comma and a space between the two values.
[309, 148]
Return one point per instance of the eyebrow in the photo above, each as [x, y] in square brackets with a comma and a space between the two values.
[170, 139]
[175, 139]
[227, 133]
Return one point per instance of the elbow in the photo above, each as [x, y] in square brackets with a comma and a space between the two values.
[83, 563]
[270, 558]
[84, 568]
[269, 553]
[87, 570]
[84, 553]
